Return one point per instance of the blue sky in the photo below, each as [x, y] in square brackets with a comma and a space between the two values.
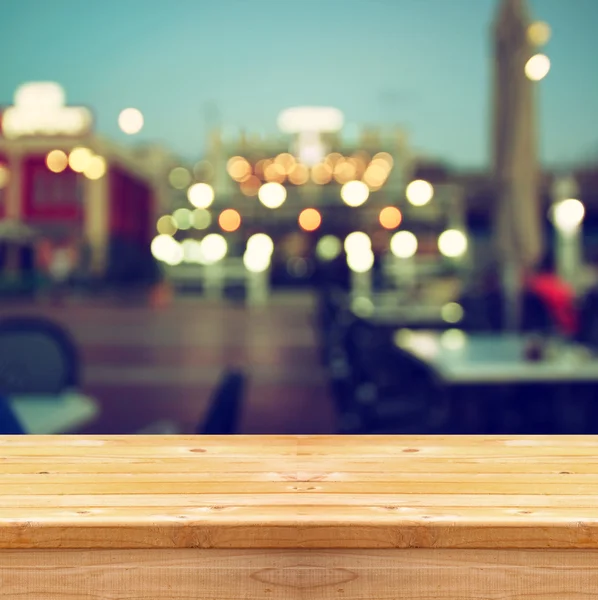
[425, 64]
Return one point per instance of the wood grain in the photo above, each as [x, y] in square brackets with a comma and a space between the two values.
[292, 492]
[415, 574]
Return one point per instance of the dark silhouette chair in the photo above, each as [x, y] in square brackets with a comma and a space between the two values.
[224, 411]
[37, 357]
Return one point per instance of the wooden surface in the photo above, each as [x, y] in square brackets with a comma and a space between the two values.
[298, 492]
[194, 574]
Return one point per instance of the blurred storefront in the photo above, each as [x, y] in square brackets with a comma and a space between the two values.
[77, 192]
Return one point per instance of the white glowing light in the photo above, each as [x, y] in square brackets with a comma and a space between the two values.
[166, 249]
[568, 215]
[419, 192]
[358, 242]
[537, 67]
[360, 262]
[79, 159]
[130, 121]
[355, 193]
[192, 251]
[403, 244]
[95, 168]
[39, 109]
[452, 243]
[201, 195]
[256, 262]
[213, 248]
[310, 118]
[272, 195]
[260, 243]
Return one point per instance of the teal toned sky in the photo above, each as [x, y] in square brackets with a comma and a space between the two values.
[425, 64]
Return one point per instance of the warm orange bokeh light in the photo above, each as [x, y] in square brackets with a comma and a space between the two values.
[321, 174]
[57, 161]
[239, 168]
[390, 217]
[344, 171]
[229, 220]
[286, 161]
[310, 219]
[274, 172]
[251, 186]
[299, 175]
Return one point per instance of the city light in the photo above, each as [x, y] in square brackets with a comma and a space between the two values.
[275, 172]
[568, 215]
[310, 118]
[250, 187]
[213, 248]
[354, 193]
[385, 158]
[403, 244]
[166, 225]
[419, 192]
[130, 121]
[299, 175]
[201, 195]
[229, 220]
[286, 161]
[272, 195]
[95, 168]
[79, 159]
[452, 243]
[537, 67]
[39, 109]
[179, 178]
[344, 171]
[183, 218]
[538, 33]
[166, 249]
[310, 219]
[375, 176]
[260, 243]
[4, 176]
[328, 247]
[201, 218]
[357, 242]
[238, 168]
[256, 262]
[452, 312]
[453, 339]
[321, 174]
[57, 161]
[360, 262]
[192, 251]
[390, 217]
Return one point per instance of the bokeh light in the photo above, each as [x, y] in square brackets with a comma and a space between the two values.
[274, 172]
[452, 312]
[390, 217]
[385, 158]
[183, 218]
[286, 161]
[95, 168]
[321, 174]
[260, 243]
[538, 33]
[375, 176]
[419, 192]
[213, 248]
[192, 251]
[328, 248]
[166, 225]
[4, 176]
[310, 219]
[355, 193]
[166, 249]
[537, 67]
[250, 187]
[256, 262]
[79, 159]
[358, 242]
[344, 171]
[201, 218]
[238, 168]
[229, 220]
[452, 243]
[57, 161]
[299, 175]
[360, 262]
[272, 195]
[453, 339]
[201, 195]
[179, 178]
[403, 244]
[130, 121]
[568, 215]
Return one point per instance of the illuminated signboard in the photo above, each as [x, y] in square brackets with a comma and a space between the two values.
[39, 109]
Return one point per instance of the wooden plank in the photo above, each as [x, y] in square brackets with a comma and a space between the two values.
[299, 575]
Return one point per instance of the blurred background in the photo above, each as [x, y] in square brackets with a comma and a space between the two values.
[310, 217]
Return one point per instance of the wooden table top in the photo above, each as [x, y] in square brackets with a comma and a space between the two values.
[298, 492]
